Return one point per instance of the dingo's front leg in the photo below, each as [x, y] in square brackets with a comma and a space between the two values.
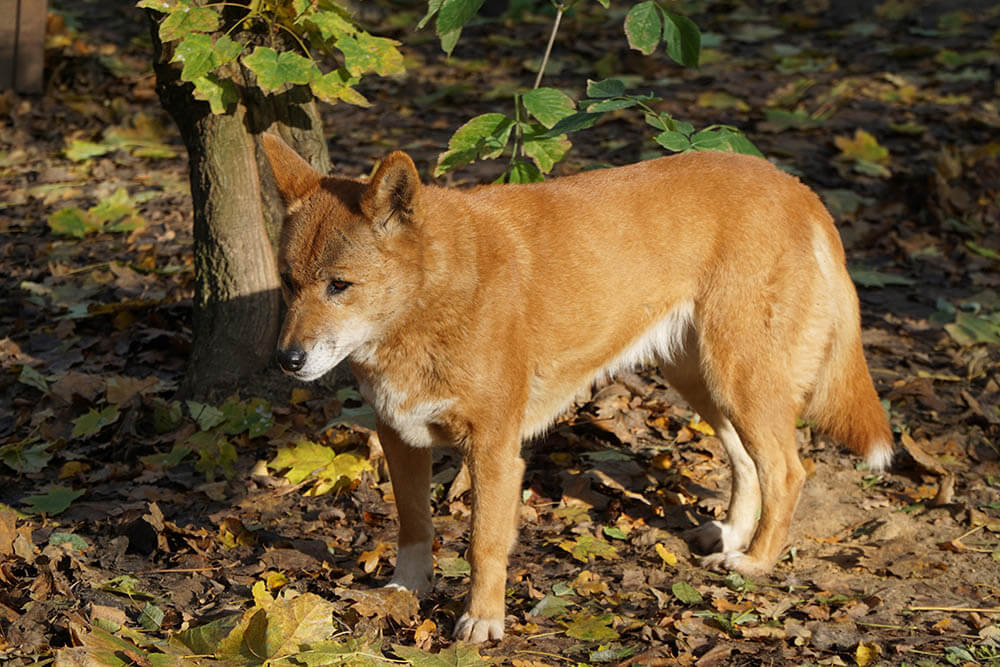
[496, 469]
[410, 472]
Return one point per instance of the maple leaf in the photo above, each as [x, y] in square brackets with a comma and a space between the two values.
[592, 628]
[587, 547]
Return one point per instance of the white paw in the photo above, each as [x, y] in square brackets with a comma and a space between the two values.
[476, 630]
[734, 561]
[717, 536]
[414, 569]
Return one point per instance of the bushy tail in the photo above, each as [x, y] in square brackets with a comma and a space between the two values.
[844, 403]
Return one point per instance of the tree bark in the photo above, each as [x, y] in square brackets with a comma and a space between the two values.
[237, 304]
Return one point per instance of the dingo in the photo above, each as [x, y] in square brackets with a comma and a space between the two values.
[473, 318]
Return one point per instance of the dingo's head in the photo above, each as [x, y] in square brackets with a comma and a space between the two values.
[345, 258]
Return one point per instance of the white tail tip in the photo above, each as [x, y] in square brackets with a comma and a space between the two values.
[880, 457]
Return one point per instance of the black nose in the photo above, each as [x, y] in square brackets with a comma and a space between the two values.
[292, 359]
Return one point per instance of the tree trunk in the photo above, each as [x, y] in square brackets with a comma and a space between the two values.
[237, 304]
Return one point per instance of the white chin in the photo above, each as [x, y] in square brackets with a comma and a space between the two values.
[308, 375]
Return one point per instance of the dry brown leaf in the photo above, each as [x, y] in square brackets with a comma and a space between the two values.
[922, 458]
[398, 604]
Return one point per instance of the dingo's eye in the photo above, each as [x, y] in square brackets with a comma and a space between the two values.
[336, 287]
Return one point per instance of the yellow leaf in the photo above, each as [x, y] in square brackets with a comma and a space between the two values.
[662, 461]
[369, 560]
[862, 148]
[424, 631]
[702, 427]
[721, 100]
[72, 469]
[300, 395]
[261, 597]
[866, 653]
[669, 557]
[275, 580]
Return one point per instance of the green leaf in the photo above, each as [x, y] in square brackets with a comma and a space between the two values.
[660, 120]
[200, 55]
[215, 453]
[578, 121]
[458, 654]
[92, 422]
[55, 501]
[454, 14]
[182, 21]
[253, 417]
[76, 542]
[206, 416]
[221, 94]
[587, 547]
[125, 585]
[550, 606]
[453, 566]
[205, 639]
[20, 458]
[113, 207]
[643, 27]
[739, 143]
[673, 141]
[331, 24]
[798, 119]
[682, 38]
[195, 51]
[450, 160]
[969, 329]
[78, 150]
[275, 70]
[605, 88]
[73, 222]
[335, 86]
[366, 53]
[548, 105]
[615, 532]
[547, 151]
[873, 278]
[484, 136]
[433, 6]
[686, 593]
[603, 106]
[587, 627]
[151, 617]
[988, 253]
[449, 40]
[33, 378]
[352, 652]
[524, 172]
[489, 131]
[363, 415]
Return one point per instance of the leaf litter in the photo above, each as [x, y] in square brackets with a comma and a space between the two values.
[138, 529]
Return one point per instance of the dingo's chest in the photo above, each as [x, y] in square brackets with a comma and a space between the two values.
[414, 421]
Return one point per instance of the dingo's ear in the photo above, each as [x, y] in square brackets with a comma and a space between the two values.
[294, 176]
[393, 189]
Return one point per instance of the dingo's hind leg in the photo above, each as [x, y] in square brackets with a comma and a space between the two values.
[734, 533]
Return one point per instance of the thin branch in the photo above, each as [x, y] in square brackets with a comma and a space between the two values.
[548, 48]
